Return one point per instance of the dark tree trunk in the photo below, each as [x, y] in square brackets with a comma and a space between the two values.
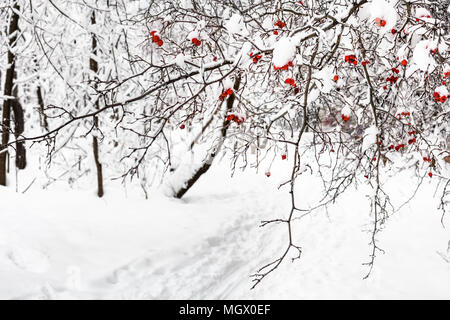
[94, 67]
[19, 124]
[8, 91]
[206, 165]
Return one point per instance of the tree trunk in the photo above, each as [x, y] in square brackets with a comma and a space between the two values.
[94, 67]
[8, 91]
[19, 127]
[207, 164]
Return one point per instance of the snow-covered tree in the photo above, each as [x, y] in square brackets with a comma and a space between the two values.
[352, 90]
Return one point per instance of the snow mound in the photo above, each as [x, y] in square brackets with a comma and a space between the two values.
[283, 52]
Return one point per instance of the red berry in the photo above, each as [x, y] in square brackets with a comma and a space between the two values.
[336, 78]
[268, 173]
[182, 126]
[160, 43]
[275, 32]
[283, 157]
[229, 91]
[430, 174]
[380, 22]
[393, 31]
[404, 62]
[374, 159]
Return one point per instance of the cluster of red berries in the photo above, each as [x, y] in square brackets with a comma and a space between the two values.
[285, 67]
[397, 147]
[255, 58]
[404, 114]
[226, 93]
[279, 24]
[392, 79]
[411, 141]
[395, 70]
[438, 97]
[380, 22]
[290, 81]
[423, 16]
[447, 74]
[365, 62]
[351, 59]
[196, 42]
[235, 118]
[428, 159]
[156, 39]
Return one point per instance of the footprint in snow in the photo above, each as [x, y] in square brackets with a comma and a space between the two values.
[29, 259]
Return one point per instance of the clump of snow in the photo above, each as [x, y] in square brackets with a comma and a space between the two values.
[422, 13]
[422, 56]
[193, 34]
[346, 111]
[201, 24]
[369, 138]
[442, 90]
[446, 71]
[283, 52]
[228, 83]
[236, 25]
[180, 61]
[402, 52]
[324, 79]
[385, 11]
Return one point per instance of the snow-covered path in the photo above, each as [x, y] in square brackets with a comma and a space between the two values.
[207, 246]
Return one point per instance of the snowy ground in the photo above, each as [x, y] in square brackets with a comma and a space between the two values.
[68, 244]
